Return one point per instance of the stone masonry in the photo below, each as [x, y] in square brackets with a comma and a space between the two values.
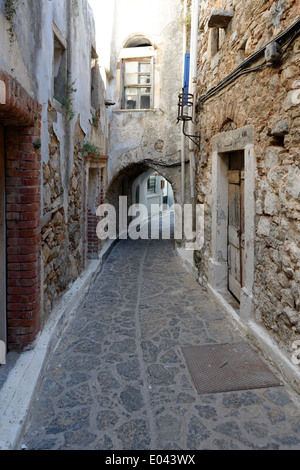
[268, 99]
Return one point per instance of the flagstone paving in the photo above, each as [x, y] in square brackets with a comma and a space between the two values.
[118, 379]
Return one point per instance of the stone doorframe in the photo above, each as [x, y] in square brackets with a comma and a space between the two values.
[241, 139]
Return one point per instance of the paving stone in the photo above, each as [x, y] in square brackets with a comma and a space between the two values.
[159, 375]
[134, 435]
[130, 370]
[132, 399]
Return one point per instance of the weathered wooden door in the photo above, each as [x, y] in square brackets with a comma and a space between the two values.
[236, 224]
[2, 252]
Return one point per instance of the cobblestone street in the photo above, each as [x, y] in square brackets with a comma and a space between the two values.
[118, 380]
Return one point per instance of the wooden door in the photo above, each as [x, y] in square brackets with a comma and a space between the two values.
[236, 226]
[2, 252]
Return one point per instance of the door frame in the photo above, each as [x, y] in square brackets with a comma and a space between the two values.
[3, 320]
[240, 139]
[236, 224]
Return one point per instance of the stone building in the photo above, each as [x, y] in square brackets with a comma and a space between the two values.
[53, 136]
[247, 175]
[145, 77]
[77, 129]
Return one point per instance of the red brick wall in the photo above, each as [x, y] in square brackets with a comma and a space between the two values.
[23, 214]
[98, 164]
[93, 240]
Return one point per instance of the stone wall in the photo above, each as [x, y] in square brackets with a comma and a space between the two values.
[63, 236]
[46, 154]
[151, 134]
[267, 98]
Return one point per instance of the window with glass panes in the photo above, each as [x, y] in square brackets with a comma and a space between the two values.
[137, 84]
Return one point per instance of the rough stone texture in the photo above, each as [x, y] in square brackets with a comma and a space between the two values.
[118, 379]
[63, 237]
[268, 100]
[45, 141]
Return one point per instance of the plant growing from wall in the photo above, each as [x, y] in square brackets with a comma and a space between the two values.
[67, 101]
[10, 11]
[37, 144]
[91, 148]
[95, 120]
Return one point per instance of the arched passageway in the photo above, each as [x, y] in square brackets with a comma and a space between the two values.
[152, 188]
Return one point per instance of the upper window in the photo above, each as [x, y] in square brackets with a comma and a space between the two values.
[137, 72]
[59, 64]
[137, 84]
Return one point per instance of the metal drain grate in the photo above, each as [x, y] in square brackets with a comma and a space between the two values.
[227, 367]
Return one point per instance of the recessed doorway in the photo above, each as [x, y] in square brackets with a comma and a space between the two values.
[236, 223]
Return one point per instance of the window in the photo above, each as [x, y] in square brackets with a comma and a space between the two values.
[136, 73]
[214, 41]
[138, 84]
[217, 38]
[94, 79]
[152, 185]
[59, 64]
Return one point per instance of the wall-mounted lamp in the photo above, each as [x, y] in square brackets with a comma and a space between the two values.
[186, 113]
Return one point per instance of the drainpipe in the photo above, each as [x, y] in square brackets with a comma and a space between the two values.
[193, 85]
[183, 136]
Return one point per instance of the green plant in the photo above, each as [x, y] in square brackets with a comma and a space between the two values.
[67, 101]
[10, 11]
[91, 148]
[185, 20]
[95, 120]
[37, 144]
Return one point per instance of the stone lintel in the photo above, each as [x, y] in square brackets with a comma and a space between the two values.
[96, 160]
[220, 18]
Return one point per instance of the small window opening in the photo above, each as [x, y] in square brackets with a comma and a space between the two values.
[94, 81]
[152, 184]
[214, 41]
[277, 141]
[59, 70]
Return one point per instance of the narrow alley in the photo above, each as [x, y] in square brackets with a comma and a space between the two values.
[115, 114]
[118, 379]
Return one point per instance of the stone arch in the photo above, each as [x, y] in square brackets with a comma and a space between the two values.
[137, 40]
[228, 125]
[121, 183]
[228, 115]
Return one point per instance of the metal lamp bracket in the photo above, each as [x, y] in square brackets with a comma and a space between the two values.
[186, 101]
[192, 137]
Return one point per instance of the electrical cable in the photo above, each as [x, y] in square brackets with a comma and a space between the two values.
[167, 165]
[241, 71]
